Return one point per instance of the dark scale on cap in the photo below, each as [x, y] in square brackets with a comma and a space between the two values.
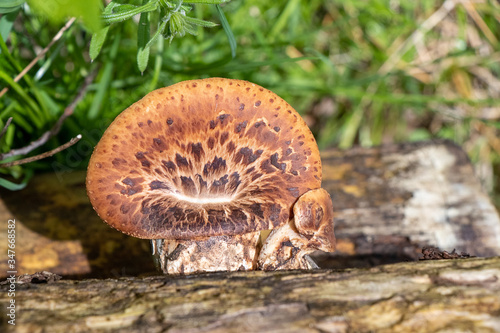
[241, 126]
[211, 143]
[169, 165]
[119, 162]
[247, 156]
[217, 166]
[222, 117]
[188, 186]
[276, 164]
[234, 182]
[159, 144]
[142, 158]
[152, 173]
[223, 138]
[258, 124]
[128, 181]
[156, 184]
[181, 161]
[197, 151]
[231, 147]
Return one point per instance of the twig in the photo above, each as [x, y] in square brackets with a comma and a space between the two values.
[417, 36]
[43, 155]
[41, 54]
[471, 10]
[5, 127]
[55, 129]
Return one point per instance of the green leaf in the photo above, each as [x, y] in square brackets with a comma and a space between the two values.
[142, 59]
[201, 23]
[190, 30]
[158, 32]
[142, 41]
[122, 8]
[58, 11]
[117, 17]
[8, 6]
[6, 23]
[96, 42]
[227, 30]
[206, 2]
[99, 37]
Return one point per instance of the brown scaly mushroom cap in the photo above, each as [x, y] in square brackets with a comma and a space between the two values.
[203, 158]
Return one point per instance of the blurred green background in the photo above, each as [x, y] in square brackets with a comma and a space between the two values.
[360, 72]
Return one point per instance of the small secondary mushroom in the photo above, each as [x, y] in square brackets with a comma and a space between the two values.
[204, 168]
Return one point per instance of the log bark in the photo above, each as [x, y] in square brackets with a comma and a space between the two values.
[391, 201]
[460, 295]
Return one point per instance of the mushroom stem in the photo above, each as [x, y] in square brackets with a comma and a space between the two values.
[209, 254]
[311, 229]
[285, 248]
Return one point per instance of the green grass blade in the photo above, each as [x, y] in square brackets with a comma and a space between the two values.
[207, 2]
[19, 90]
[142, 41]
[122, 16]
[227, 30]
[253, 65]
[105, 80]
[158, 63]
[43, 69]
[6, 53]
[14, 186]
[284, 18]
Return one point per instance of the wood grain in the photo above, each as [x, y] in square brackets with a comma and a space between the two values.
[433, 296]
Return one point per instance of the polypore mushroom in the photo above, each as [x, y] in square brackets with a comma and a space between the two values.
[203, 167]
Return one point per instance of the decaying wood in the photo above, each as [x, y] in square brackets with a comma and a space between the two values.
[392, 200]
[389, 202]
[460, 295]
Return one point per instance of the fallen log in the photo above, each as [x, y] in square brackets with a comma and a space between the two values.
[461, 295]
